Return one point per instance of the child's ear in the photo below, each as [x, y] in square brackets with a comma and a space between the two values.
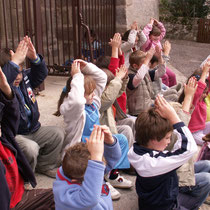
[135, 66]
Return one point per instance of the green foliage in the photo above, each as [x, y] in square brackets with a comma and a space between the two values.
[184, 8]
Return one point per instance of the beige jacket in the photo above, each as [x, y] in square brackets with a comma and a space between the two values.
[114, 89]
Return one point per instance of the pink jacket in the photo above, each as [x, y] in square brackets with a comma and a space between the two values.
[149, 43]
[199, 115]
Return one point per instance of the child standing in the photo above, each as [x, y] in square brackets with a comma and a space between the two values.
[79, 182]
[155, 32]
[157, 182]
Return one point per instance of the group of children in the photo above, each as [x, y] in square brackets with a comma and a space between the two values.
[122, 112]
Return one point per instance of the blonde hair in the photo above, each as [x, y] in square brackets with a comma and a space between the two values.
[137, 57]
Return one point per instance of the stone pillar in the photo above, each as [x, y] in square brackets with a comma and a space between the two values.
[141, 11]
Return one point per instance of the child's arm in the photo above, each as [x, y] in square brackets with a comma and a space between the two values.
[9, 108]
[98, 75]
[38, 71]
[143, 69]
[162, 29]
[158, 163]
[11, 69]
[74, 104]
[142, 38]
[189, 91]
[161, 70]
[126, 46]
[114, 61]
[201, 84]
[148, 28]
[112, 151]
[114, 89]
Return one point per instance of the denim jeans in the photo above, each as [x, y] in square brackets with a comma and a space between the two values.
[197, 194]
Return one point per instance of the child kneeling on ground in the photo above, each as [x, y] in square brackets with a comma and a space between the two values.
[157, 181]
[80, 180]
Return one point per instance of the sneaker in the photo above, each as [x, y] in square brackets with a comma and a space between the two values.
[114, 193]
[119, 182]
[51, 173]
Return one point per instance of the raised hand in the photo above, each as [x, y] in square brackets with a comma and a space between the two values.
[31, 54]
[108, 138]
[75, 68]
[96, 143]
[158, 51]
[166, 48]
[165, 110]
[82, 63]
[121, 72]
[190, 87]
[134, 26]
[116, 40]
[4, 86]
[151, 21]
[20, 54]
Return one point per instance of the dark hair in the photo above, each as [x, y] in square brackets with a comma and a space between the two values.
[125, 35]
[136, 57]
[154, 59]
[103, 62]
[75, 161]
[150, 125]
[110, 75]
[89, 85]
[197, 73]
[155, 31]
[63, 94]
[5, 56]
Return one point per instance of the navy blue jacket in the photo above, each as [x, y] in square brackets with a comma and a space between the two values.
[9, 126]
[32, 78]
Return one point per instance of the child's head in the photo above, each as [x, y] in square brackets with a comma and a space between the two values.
[103, 62]
[152, 130]
[137, 58]
[75, 161]
[197, 74]
[155, 33]
[153, 62]
[126, 34]
[90, 86]
[5, 57]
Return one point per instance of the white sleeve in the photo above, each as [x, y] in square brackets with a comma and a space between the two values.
[126, 46]
[161, 70]
[140, 75]
[156, 163]
[100, 78]
[74, 104]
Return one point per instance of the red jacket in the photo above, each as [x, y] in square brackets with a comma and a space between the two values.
[114, 64]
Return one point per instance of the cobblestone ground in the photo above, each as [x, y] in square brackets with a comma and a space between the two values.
[185, 57]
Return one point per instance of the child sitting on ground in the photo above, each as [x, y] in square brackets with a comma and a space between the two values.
[198, 125]
[157, 182]
[79, 182]
[132, 39]
[155, 32]
[140, 90]
[81, 102]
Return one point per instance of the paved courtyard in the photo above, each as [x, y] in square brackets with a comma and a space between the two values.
[185, 57]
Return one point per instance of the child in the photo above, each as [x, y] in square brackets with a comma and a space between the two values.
[14, 168]
[155, 32]
[157, 182]
[82, 103]
[197, 124]
[115, 86]
[79, 182]
[40, 144]
[133, 39]
[158, 86]
[139, 89]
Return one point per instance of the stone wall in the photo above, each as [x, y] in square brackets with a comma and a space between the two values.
[182, 31]
[139, 10]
